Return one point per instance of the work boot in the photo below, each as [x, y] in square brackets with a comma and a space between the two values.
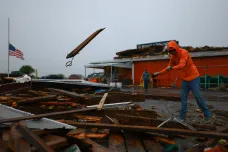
[209, 120]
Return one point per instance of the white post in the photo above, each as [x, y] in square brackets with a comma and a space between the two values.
[85, 72]
[111, 73]
[8, 43]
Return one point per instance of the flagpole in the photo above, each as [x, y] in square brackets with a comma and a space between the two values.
[8, 43]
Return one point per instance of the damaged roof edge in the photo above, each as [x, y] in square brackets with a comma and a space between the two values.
[162, 57]
[44, 123]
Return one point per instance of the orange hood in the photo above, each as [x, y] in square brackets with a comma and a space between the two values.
[181, 61]
[173, 44]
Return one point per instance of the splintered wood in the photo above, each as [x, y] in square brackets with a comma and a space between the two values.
[88, 135]
[81, 134]
[99, 107]
[33, 139]
[129, 128]
[88, 118]
[16, 142]
[36, 99]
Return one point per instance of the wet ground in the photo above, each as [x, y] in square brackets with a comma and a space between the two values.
[209, 95]
[194, 115]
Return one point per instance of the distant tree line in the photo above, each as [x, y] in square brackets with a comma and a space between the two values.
[27, 69]
[54, 76]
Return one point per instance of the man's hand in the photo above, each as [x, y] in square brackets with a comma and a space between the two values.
[169, 68]
[155, 74]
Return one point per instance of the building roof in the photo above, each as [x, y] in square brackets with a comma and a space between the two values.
[158, 48]
[103, 65]
[162, 57]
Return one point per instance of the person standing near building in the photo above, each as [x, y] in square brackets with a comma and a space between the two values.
[181, 60]
[146, 79]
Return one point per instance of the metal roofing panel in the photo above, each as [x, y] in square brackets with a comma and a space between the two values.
[76, 82]
[44, 123]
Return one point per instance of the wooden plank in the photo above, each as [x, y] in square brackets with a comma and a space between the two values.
[3, 146]
[165, 140]
[38, 93]
[13, 87]
[168, 131]
[88, 118]
[100, 105]
[89, 135]
[55, 142]
[16, 142]
[96, 147]
[33, 139]
[83, 44]
[45, 115]
[116, 142]
[57, 103]
[208, 143]
[113, 112]
[152, 145]
[143, 113]
[5, 135]
[133, 142]
[66, 93]
[123, 141]
[145, 121]
[36, 99]
[81, 134]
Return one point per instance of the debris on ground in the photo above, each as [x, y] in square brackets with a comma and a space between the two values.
[99, 120]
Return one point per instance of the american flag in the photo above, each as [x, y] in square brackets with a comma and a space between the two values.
[15, 52]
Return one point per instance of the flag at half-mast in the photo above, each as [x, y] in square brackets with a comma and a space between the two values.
[15, 52]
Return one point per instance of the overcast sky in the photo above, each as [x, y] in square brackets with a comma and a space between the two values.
[46, 30]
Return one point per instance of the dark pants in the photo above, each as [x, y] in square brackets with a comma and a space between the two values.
[194, 86]
[146, 83]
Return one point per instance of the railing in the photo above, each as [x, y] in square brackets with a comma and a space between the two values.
[207, 81]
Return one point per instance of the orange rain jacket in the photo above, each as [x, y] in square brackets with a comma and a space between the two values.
[182, 61]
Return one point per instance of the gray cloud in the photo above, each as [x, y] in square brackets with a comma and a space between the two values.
[46, 30]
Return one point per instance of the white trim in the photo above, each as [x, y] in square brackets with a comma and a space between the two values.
[122, 65]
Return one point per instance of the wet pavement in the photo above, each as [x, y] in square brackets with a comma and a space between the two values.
[168, 109]
[210, 95]
[217, 102]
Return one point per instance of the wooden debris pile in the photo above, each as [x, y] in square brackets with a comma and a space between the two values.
[98, 128]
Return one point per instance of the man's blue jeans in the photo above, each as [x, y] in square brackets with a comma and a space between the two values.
[146, 81]
[194, 86]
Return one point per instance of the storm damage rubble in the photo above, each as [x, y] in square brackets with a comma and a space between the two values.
[88, 121]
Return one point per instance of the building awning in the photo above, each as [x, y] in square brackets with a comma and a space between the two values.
[102, 66]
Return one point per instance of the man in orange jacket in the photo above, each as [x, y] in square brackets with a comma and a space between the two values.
[181, 60]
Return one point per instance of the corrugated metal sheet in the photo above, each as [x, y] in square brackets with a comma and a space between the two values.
[44, 123]
[76, 82]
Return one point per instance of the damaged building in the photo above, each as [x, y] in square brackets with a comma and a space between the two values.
[128, 66]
